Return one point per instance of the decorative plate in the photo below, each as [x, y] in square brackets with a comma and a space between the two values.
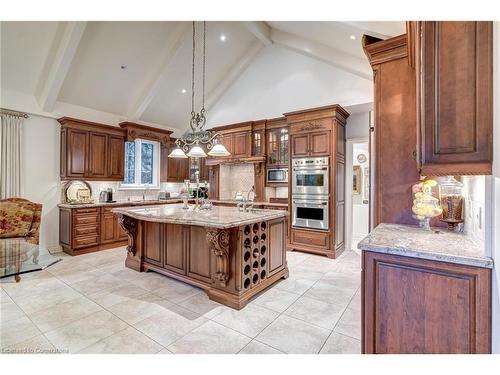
[78, 191]
[361, 158]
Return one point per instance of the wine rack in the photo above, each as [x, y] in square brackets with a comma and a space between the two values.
[254, 261]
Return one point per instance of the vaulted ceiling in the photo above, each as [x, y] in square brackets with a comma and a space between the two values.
[141, 71]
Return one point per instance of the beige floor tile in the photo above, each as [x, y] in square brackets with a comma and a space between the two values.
[33, 303]
[135, 309]
[351, 281]
[17, 330]
[294, 336]
[110, 297]
[355, 303]
[170, 324]
[165, 351]
[63, 313]
[295, 257]
[9, 311]
[152, 281]
[322, 314]
[275, 299]
[128, 341]
[176, 291]
[65, 268]
[340, 344]
[350, 324]
[250, 320]
[201, 304]
[210, 338]
[85, 332]
[294, 285]
[327, 292]
[306, 273]
[33, 288]
[36, 345]
[256, 347]
[96, 283]
[128, 275]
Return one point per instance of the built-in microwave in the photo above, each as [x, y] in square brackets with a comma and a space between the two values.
[277, 175]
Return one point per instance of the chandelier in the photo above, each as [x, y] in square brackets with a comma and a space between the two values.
[191, 142]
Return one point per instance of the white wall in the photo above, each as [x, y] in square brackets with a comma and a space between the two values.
[280, 80]
[358, 125]
[495, 248]
[40, 174]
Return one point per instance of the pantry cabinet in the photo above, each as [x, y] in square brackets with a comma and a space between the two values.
[454, 67]
[91, 151]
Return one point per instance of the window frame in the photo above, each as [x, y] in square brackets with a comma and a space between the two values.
[138, 164]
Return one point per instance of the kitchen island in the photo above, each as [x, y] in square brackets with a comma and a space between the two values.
[232, 255]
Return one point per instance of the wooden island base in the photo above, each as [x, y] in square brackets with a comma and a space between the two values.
[232, 265]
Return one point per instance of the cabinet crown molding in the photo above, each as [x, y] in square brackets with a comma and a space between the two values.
[385, 50]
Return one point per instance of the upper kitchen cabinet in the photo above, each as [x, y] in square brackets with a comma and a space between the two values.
[91, 151]
[309, 137]
[454, 97]
[277, 142]
[237, 138]
[258, 138]
[177, 169]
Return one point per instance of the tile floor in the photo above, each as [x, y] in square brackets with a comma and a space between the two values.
[93, 304]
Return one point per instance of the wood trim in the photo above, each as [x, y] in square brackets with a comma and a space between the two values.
[69, 122]
[317, 113]
[134, 131]
[232, 128]
[411, 40]
[277, 122]
[385, 50]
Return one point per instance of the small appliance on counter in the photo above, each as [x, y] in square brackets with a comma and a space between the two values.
[106, 196]
[163, 195]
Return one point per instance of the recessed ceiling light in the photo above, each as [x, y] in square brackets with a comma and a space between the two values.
[353, 37]
[222, 38]
[183, 91]
[123, 67]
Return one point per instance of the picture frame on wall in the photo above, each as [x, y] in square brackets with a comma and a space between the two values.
[356, 179]
[366, 187]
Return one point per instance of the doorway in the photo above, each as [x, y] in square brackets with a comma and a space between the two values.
[357, 191]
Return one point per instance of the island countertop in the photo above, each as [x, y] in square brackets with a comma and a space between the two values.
[438, 244]
[218, 217]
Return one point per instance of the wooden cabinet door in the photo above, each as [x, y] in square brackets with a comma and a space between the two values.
[152, 243]
[116, 158]
[97, 156]
[276, 245]
[241, 145]
[283, 147]
[319, 144]
[120, 234]
[272, 147]
[203, 170]
[175, 248]
[227, 141]
[76, 147]
[199, 265]
[456, 122]
[172, 169]
[300, 145]
[108, 227]
[417, 306]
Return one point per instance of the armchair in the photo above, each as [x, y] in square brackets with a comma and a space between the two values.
[20, 218]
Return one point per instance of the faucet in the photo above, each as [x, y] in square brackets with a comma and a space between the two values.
[144, 192]
[242, 206]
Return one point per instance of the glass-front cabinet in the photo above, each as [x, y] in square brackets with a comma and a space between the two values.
[277, 147]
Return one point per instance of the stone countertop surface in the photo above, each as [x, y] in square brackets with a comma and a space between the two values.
[256, 203]
[120, 203]
[218, 217]
[157, 201]
[438, 244]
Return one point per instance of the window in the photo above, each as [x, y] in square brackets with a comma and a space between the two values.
[142, 164]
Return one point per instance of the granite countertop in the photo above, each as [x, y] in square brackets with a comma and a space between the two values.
[120, 203]
[218, 217]
[438, 244]
[256, 203]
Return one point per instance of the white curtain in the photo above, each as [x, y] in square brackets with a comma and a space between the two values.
[10, 156]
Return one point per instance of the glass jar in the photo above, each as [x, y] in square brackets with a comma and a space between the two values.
[425, 206]
[452, 202]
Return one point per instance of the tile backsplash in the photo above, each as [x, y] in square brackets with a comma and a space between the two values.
[235, 178]
[126, 194]
[474, 200]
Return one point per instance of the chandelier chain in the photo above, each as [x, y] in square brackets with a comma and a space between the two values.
[204, 63]
[192, 69]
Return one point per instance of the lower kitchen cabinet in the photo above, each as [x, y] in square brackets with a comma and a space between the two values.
[412, 305]
[85, 230]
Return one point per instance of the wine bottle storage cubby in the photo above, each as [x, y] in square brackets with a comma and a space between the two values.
[254, 262]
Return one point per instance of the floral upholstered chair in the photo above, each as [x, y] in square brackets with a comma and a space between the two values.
[20, 218]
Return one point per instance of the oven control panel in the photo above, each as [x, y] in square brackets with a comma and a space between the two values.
[306, 162]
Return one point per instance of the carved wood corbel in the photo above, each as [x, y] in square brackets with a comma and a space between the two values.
[218, 240]
[129, 225]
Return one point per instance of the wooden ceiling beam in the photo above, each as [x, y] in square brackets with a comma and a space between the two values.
[260, 30]
[58, 63]
[324, 53]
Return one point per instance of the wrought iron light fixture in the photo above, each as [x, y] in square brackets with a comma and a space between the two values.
[196, 136]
